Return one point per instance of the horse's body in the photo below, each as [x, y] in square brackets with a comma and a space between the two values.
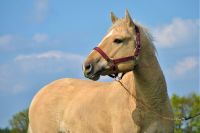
[78, 106]
[83, 106]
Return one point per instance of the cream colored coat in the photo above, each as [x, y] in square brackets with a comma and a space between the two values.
[77, 106]
[84, 106]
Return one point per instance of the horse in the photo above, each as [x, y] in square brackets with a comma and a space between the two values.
[135, 103]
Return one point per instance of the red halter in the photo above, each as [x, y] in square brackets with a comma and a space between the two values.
[113, 62]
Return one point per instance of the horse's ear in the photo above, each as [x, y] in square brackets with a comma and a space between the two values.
[128, 18]
[113, 17]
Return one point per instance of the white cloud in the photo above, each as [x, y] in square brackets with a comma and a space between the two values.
[177, 32]
[186, 65]
[48, 61]
[25, 71]
[5, 40]
[50, 55]
[41, 8]
[39, 38]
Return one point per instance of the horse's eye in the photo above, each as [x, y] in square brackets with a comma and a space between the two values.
[118, 41]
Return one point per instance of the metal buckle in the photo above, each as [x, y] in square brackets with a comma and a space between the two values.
[136, 57]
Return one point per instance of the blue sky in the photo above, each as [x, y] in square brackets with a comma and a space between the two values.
[44, 40]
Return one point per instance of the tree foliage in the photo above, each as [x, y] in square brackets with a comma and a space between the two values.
[5, 130]
[186, 106]
[19, 122]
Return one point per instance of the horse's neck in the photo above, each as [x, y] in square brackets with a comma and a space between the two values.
[150, 83]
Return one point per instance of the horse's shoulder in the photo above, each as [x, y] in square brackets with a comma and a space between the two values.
[50, 88]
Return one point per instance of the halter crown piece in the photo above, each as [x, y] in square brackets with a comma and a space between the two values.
[113, 62]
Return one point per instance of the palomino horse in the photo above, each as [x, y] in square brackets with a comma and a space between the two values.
[138, 103]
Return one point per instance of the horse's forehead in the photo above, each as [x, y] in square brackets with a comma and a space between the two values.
[112, 32]
[118, 32]
[119, 29]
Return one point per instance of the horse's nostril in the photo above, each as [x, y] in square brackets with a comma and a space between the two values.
[88, 68]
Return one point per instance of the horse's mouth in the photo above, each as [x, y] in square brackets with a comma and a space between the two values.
[94, 77]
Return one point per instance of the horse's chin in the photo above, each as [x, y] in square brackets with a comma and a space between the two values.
[107, 72]
[94, 77]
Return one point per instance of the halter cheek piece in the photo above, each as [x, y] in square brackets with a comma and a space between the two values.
[113, 62]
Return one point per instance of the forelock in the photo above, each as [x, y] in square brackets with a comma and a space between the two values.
[119, 23]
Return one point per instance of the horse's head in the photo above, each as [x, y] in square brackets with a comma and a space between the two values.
[117, 52]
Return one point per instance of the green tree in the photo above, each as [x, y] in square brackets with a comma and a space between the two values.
[19, 122]
[5, 130]
[186, 106]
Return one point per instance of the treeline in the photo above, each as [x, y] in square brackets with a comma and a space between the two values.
[186, 106]
[182, 106]
[18, 123]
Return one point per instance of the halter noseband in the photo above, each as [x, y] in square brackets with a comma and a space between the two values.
[113, 62]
